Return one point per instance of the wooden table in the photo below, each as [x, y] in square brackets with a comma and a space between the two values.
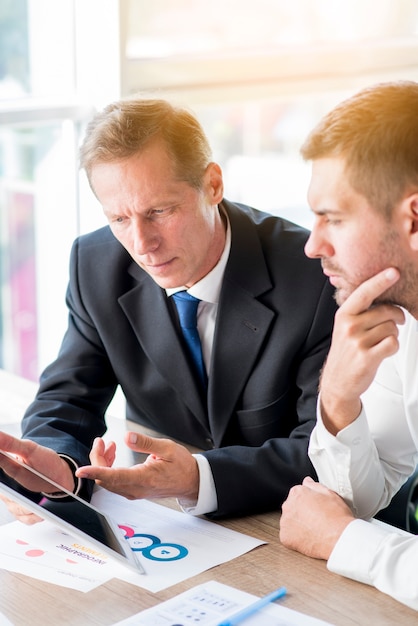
[311, 588]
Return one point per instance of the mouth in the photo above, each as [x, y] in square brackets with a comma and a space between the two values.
[329, 273]
[332, 276]
[157, 267]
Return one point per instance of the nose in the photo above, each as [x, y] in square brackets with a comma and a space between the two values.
[145, 239]
[317, 246]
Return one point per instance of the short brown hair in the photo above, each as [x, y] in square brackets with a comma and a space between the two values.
[376, 133]
[124, 127]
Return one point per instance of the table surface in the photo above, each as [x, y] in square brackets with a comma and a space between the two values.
[311, 588]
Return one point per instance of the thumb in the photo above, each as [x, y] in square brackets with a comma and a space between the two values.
[139, 442]
[308, 481]
[314, 486]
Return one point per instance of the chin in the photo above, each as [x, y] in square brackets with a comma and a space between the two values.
[341, 295]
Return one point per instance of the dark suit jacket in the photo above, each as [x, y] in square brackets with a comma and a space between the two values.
[272, 334]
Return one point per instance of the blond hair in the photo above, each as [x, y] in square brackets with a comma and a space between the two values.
[125, 127]
[376, 133]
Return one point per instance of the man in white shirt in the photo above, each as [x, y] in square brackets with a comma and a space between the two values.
[364, 194]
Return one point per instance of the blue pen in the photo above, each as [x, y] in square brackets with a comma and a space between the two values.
[254, 607]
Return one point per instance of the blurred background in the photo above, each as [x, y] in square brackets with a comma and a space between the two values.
[258, 76]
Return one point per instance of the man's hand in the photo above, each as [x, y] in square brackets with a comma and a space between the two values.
[313, 519]
[169, 470]
[40, 458]
[364, 334]
[20, 513]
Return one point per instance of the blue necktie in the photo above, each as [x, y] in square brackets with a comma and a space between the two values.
[187, 312]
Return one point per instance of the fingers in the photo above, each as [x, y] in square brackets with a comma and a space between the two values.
[308, 481]
[127, 482]
[301, 491]
[364, 296]
[376, 326]
[103, 454]
[100, 457]
[20, 447]
[44, 460]
[169, 470]
[365, 333]
[313, 519]
[19, 512]
[314, 486]
[101, 474]
[367, 325]
[97, 451]
[24, 515]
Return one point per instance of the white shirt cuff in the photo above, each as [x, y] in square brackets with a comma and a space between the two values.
[355, 435]
[335, 458]
[207, 500]
[354, 551]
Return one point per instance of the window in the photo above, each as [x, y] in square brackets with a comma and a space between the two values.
[258, 75]
[41, 121]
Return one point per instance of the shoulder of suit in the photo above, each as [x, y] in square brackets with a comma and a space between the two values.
[262, 218]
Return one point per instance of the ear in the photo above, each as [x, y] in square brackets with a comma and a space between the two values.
[411, 206]
[214, 185]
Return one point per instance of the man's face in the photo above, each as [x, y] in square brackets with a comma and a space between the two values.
[353, 241]
[173, 231]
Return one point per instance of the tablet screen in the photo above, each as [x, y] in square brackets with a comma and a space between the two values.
[74, 514]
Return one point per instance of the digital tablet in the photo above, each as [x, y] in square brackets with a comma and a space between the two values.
[75, 515]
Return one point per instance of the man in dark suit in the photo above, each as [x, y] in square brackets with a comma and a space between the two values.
[264, 318]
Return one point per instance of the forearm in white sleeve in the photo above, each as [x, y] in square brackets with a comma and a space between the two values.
[207, 500]
[349, 464]
[380, 556]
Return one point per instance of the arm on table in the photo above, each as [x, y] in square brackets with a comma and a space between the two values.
[315, 521]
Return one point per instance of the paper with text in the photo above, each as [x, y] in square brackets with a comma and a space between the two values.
[171, 545]
[212, 602]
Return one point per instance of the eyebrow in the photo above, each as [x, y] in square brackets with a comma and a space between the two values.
[327, 211]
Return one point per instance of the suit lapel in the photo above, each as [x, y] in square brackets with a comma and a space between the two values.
[242, 322]
[159, 339]
[241, 327]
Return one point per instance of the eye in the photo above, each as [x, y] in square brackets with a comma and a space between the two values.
[328, 218]
[116, 220]
[161, 213]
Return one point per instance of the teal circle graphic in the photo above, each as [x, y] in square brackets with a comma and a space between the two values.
[141, 542]
[165, 552]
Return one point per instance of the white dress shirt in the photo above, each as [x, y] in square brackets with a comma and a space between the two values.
[367, 463]
[208, 290]
[381, 556]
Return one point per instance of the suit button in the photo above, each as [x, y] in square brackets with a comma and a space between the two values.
[210, 443]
